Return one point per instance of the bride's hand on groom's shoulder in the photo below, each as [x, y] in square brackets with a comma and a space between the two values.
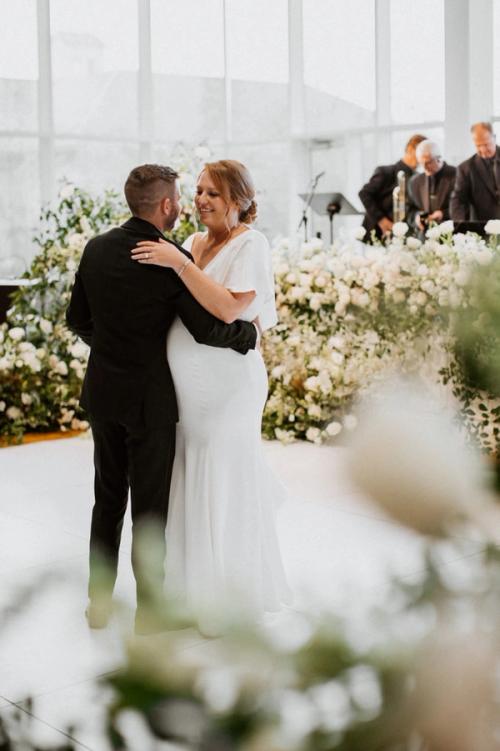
[161, 253]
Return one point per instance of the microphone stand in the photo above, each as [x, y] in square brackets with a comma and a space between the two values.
[310, 196]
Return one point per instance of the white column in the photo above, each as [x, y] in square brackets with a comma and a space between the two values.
[299, 161]
[145, 114]
[383, 115]
[45, 107]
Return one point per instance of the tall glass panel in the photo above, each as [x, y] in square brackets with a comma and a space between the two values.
[95, 61]
[417, 60]
[18, 66]
[339, 64]
[19, 202]
[496, 57]
[188, 69]
[95, 165]
[257, 36]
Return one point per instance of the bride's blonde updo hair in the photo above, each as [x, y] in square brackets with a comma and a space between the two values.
[235, 183]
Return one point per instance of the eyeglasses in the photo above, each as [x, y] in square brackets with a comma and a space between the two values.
[431, 160]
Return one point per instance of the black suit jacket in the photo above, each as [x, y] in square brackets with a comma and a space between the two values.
[474, 194]
[418, 192]
[376, 195]
[123, 310]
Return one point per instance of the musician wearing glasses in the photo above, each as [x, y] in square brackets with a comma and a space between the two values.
[377, 195]
[429, 192]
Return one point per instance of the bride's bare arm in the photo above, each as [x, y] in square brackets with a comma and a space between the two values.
[223, 304]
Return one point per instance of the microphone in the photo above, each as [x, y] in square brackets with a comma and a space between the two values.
[315, 180]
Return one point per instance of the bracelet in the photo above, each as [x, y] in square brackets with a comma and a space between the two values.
[184, 267]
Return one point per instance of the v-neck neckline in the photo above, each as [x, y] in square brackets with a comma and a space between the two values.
[220, 251]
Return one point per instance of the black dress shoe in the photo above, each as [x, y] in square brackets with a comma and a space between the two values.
[98, 615]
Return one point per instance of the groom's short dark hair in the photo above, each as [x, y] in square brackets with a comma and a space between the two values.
[147, 185]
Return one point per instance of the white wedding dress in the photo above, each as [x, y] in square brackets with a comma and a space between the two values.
[222, 545]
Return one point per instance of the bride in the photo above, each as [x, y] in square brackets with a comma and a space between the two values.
[221, 535]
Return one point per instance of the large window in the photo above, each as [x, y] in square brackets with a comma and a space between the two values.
[187, 50]
[257, 65]
[93, 90]
[95, 59]
[19, 67]
[417, 60]
[496, 57]
[339, 63]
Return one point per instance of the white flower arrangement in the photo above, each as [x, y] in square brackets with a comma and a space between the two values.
[348, 318]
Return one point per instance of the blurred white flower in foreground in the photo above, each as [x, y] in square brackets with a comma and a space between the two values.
[411, 459]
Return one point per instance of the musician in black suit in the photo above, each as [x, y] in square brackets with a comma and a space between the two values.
[477, 188]
[376, 195]
[430, 191]
[123, 311]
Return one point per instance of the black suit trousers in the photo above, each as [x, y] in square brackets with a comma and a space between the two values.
[139, 459]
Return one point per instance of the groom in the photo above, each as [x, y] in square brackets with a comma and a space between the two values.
[123, 311]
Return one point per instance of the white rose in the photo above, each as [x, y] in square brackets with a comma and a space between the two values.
[461, 278]
[16, 333]
[421, 298]
[399, 229]
[45, 326]
[285, 436]
[446, 227]
[291, 278]
[315, 302]
[336, 342]
[26, 347]
[320, 281]
[433, 233]
[61, 368]
[359, 233]
[314, 411]
[297, 293]
[492, 227]
[75, 240]
[32, 362]
[312, 383]
[337, 358]
[79, 349]
[2, 406]
[413, 243]
[85, 225]
[428, 286]
[13, 413]
[484, 257]
[26, 399]
[399, 296]
[278, 371]
[313, 434]
[333, 428]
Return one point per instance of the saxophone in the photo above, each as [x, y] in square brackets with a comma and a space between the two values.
[399, 198]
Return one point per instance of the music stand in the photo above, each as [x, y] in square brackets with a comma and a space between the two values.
[329, 204]
[474, 225]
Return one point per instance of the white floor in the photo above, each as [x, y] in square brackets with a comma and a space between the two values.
[339, 551]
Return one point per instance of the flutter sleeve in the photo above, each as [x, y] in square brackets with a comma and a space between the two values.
[251, 269]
